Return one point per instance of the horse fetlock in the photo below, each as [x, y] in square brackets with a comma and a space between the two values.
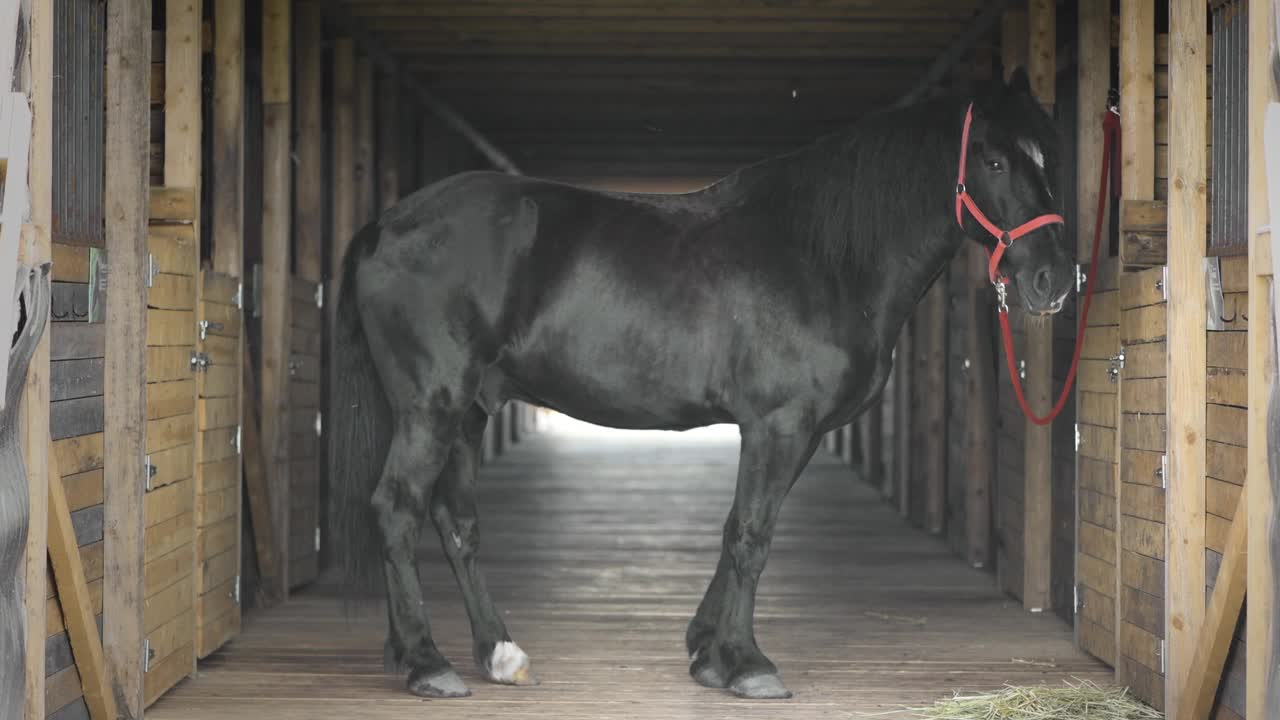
[705, 671]
[698, 636]
[507, 664]
[393, 657]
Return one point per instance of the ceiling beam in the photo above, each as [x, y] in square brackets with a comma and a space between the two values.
[337, 13]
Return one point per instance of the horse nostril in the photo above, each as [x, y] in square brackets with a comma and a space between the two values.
[1043, 282]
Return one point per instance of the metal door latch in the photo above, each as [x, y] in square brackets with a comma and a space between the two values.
[1117, 364]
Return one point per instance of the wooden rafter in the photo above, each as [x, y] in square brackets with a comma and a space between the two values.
[442, 110]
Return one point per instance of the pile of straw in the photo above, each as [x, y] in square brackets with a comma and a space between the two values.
[1081, 701]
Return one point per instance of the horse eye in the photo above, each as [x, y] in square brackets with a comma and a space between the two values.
[995, 166]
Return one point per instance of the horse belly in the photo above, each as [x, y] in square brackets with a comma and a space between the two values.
[652, 379]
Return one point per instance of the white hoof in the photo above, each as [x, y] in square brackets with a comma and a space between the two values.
[509, 665]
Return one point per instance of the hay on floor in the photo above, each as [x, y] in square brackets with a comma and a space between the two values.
[1080, 701]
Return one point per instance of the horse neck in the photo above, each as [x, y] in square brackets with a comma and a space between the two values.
[906, 271]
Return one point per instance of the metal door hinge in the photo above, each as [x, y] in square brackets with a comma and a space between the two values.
[319, 295]
[147, 656]
[235, 591]
[148, 472]
[238, 298]
[1162, 657]
[1117, 364]
[206, 326]
[317, 538]
[318, 423]
[152, 271]
[1075, 599]
[1077, 437]
[1082, 278]
[1163, 283]
[1162, 472]
[235, 441]
[199, 361]
[1022, 369]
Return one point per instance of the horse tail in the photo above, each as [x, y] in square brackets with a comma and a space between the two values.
[359, 435]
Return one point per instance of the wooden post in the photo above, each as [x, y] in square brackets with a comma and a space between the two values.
[366, 182]
[389, 140]
[1038, 450]
[126, 196]
[1185, 571]
[1263, 681]
[1138, 179]
[182, 140]
[34, 248]
[1013, 38]
[981, 414]
[182, 97]
[1093, 79]
[902, 412]
[934, 320]
[873, 444]
[228, 137]
[276, 212]
[345, 202]
[1137, 98]
[308, 183]
[980, 385]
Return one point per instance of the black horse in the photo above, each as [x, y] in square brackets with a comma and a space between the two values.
[771, 299]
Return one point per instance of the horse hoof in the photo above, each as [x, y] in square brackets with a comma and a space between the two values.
[509, 665]
[760, 687]
[443, 684]
[706, 674]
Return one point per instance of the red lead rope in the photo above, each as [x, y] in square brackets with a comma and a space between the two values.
[1110, 128]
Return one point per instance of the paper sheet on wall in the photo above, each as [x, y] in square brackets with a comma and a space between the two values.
[15, 139]
[1271, 151]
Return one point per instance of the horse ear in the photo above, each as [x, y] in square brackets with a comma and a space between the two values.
[1019, 82]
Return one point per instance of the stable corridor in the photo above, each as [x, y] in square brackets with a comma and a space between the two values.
[598, 546]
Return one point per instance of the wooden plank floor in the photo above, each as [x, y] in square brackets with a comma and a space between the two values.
[598, 547]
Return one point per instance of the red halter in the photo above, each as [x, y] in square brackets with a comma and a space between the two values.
[1003, 238]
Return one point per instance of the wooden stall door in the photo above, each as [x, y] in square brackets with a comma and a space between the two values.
[1097, 414]
[218, 462]
[1143, 393]
[305, 426]
[169, 509]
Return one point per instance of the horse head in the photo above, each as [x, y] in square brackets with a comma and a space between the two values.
[1005, 197]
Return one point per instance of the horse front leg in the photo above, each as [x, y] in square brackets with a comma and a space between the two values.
[722, 635]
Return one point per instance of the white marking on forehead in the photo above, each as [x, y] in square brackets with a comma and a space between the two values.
[1033, 151]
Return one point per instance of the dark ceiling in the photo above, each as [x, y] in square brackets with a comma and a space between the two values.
[663, 88]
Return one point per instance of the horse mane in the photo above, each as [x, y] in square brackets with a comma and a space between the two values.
[854, 192]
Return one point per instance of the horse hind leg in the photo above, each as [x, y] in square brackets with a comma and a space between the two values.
[453, 509]
[418, 454]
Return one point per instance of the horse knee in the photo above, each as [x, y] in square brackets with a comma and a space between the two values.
[459, 532]
[397, 521]
[748, 547]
